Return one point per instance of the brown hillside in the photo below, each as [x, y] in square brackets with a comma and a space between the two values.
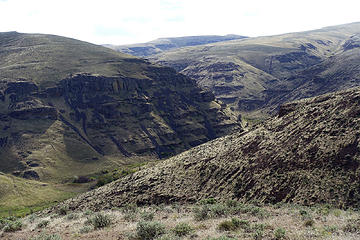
[307, 154]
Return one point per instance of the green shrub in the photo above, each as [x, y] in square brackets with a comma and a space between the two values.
[208, 201]
[86, 229]
[12, 225]
[147, 216]
[72, 216]
[211, 211]
[279, 233]
[87, 212]
[202, 213]
[148, 230]
[330, 229]
[101, 220]
[131, 216]
[45, 236]
[309, 223]
[232, 225]
[253, 210]
[31, 218]
[129, 208]
[232, 203]
[130, 212]
[182, 229]
[63, 210]
[42, 224]
[258, 234]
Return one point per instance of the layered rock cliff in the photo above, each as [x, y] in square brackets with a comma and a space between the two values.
[119, 107]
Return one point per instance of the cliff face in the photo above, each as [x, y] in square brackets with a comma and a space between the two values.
[307, 154]
[110, 116]
[66, 123]
[164, 114]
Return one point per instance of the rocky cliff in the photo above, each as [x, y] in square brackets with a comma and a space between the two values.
[57, 123]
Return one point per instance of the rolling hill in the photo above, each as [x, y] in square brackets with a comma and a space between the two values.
[164, 44]
[307, 154]
[255, 75]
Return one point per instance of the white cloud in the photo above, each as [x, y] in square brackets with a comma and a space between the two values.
[130, 21]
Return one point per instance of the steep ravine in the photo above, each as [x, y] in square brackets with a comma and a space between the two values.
[110, 116]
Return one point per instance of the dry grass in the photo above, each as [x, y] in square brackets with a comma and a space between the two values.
[328, 223]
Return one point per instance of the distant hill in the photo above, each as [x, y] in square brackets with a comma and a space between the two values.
[307, 154]
[254, 75]
[164, 44]
[70, 108]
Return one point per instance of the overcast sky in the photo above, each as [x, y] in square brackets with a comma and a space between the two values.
[134, 21]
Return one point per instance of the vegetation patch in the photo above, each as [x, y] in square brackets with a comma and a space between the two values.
[100, 220]
[148, 230]
[10, 224]
[183, 229]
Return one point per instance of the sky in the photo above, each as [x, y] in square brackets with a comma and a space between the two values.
[135, 21]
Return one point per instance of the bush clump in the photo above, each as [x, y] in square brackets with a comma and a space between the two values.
[72, 216]
[10, 224]
[207, 201]
[63, 210]
[100, 220]
[182, 229]
[148, 230]
[42, 224]
[211, 211]
[279, 233]
[233, 224]
[147, 216]
[309, 223]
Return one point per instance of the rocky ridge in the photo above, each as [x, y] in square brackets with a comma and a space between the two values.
[307, 154]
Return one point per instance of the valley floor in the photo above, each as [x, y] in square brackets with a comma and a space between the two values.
[205, 220]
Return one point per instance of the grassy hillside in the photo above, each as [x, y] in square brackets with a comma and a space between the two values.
[308, 154]
[249, 73]
[164, 44]
[19, 196]
[46, 59]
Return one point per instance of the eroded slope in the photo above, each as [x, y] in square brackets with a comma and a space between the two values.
[308, 154]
